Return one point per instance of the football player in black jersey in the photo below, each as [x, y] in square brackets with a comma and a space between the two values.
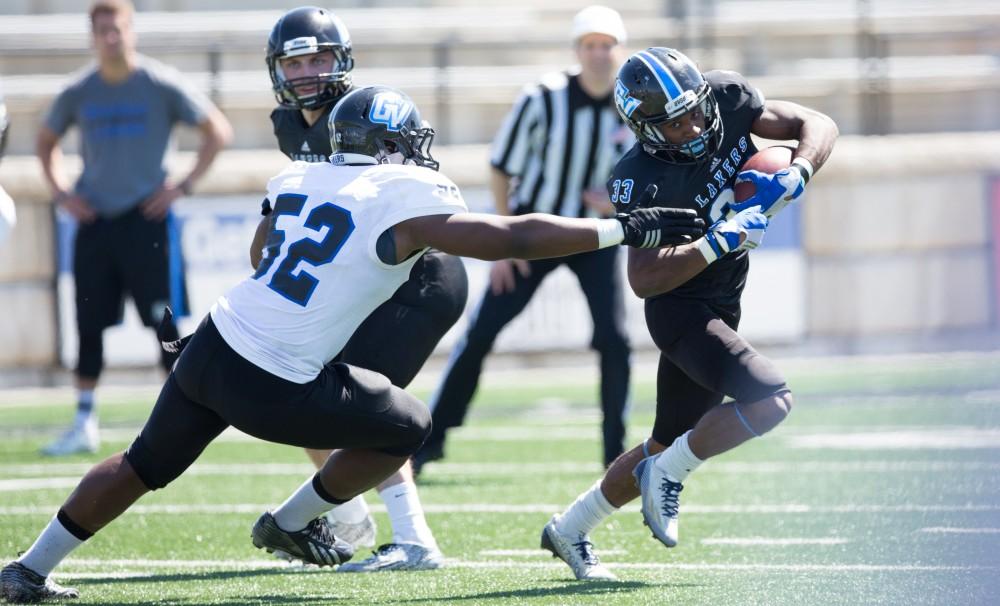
[693, 134]
[310, 61]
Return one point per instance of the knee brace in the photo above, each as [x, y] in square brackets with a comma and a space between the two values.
[154, 471]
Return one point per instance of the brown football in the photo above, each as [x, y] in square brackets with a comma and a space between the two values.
[768, 160]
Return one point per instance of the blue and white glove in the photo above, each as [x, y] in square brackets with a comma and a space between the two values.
[742, 232]
[772, 192]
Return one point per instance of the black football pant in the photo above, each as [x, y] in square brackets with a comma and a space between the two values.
[600, 277]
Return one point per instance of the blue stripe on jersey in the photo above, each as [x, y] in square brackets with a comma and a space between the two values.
[666, 79]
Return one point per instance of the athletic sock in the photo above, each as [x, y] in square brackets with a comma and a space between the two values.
[84, 407]
[406, 515]
[586, 513]
[59, 538]
[677, 461]
[306, 504]
[352, 512]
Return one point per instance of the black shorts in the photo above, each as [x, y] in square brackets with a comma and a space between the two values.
[399, 336]
[213, 387]
[127, 255]
[702, 360]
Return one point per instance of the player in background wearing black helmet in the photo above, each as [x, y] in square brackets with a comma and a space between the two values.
[693, 134]
[8, 216]
[309, 60]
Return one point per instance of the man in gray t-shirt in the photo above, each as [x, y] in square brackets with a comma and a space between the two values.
[125, 108]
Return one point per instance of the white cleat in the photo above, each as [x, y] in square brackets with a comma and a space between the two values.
[80, 438]
[397, 556]
[360, 534]
[578, 552]
[660, 500]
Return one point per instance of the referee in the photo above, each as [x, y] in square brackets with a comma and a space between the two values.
[553, 154]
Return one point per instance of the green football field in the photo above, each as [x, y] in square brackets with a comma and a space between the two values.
[882, 487]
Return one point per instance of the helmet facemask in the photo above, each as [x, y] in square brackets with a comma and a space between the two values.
[329, 86]
[694, 150]
[413, 146]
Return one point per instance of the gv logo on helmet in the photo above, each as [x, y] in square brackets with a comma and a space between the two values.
[626, 103]
[390, 109]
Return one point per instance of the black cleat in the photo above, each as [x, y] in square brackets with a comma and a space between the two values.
[22, 585]
[314, 544]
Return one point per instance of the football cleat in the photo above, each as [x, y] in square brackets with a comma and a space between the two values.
[660, 500]
[578, 553]
[80, 438]
[359, 534]
[21, 585]
[398, 556]
[314, 544]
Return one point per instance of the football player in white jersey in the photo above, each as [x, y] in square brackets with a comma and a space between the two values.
[341, 238]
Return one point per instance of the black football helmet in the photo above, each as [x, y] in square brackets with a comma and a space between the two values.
[661, 84]
[377, 122]
[305, 31]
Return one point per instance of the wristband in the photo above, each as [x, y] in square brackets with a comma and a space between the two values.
[805, 168]
[707, 250]
[609, 232]
[185, 187]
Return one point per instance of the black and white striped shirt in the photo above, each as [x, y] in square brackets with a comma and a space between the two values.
[556, 142]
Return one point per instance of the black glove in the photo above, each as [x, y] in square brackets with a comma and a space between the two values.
[174, 347]
[656, 227]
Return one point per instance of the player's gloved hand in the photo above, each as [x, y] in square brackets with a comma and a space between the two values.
[773, 192]
[655, 227]
[168, 345]
[742, 232]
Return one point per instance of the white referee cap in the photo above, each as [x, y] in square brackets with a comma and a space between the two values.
[599, 20]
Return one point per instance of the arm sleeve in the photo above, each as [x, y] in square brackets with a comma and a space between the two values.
[186, 104]
[412, 198]
[735, 94]
[515, 139]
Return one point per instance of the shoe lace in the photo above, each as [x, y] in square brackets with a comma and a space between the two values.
[586, 550]
[321, 531]
[671, 497]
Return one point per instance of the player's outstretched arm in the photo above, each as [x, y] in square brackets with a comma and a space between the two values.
[538, 235]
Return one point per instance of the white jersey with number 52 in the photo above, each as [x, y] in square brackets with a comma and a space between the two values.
[321, 276]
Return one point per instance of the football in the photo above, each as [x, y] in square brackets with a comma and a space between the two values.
[768, 160]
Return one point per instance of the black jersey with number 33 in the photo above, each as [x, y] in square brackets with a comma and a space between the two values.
[698, 185]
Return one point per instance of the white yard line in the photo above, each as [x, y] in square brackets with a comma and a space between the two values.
[143, 566]
[548, 508]
[772, 542]
[49, 470]
[959, 530]
[882, 437]
[24, 484]
[951, 438]
[537, 553]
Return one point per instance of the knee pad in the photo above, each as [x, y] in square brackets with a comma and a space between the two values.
[91, 358]
[417, 430]
[154, 471]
